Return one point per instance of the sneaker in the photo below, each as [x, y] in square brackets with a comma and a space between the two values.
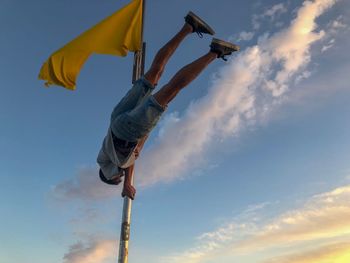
[222, 48]
[198, 25]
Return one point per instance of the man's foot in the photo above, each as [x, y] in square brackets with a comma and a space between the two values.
[222, 48]
[198, 25]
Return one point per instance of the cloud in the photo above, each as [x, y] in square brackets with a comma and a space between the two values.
[338, 252]
[244, 36]
[323, 217]
[271, 13]
[328, 45]
[93, 251]
[333, 29]
[242, 94]
[86, 185]
[338, 23]
[274, 10]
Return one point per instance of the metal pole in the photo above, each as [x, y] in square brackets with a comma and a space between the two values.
[138, 70]
[125, 231]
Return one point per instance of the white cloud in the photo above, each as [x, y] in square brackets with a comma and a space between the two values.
[86, 185]
[271, 13]
[255, 22]
[245, 36]
[93, 251]
[241, 94]
[339, 23]
[275, 10]
[304, 75]
[323, 217]
[328, 45]
[333, 29]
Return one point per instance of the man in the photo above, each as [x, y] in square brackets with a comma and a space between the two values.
[139, 111]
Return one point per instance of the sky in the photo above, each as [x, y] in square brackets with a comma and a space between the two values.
[250, 163]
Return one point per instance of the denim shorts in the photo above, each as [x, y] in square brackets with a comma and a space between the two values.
[137, 113]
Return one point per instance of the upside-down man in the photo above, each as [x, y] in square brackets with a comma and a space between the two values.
[139, 110]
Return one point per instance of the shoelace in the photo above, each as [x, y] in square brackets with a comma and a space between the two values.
[199, 34]
[223, 56]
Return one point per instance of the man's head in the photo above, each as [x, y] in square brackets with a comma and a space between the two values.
[115, 180]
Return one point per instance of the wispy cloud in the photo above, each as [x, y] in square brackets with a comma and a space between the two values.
[271, 13]
[339, 23]
[93, 251]
[333, 29]
[323, 217]
[336, 253]
[242, 94]
[244, 36]
[275, 10]
[85, 185]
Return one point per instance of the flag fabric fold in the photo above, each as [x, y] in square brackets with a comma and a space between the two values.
[115, 35]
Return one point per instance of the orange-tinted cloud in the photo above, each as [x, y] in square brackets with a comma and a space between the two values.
[332, 253]
[323, 219]
[95, 251]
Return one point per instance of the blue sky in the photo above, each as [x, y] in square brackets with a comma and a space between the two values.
[245, 159]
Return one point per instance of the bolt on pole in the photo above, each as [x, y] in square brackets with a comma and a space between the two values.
[125, 231]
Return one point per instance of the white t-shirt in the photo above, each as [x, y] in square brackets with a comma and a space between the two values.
[109, 160]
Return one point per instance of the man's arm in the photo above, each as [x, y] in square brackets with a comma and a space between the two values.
[139, 146]
[128, 189]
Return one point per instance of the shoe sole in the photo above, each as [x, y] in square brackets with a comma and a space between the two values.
[201, 21]
[225, 44]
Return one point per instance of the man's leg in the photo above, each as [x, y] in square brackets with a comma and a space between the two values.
[182, 78]
[218, 49]
[139, 91]
[162, 57]
[193, 24]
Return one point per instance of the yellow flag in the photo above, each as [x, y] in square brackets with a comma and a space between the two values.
[116, 35]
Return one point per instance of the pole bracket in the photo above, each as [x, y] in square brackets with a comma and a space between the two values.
[125, 231]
